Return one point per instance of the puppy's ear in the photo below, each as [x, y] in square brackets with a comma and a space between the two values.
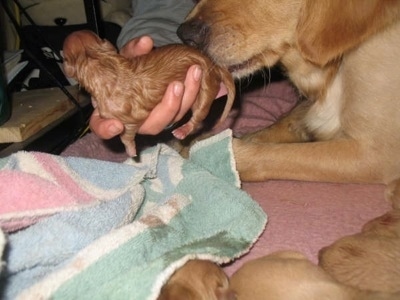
[100, 49]
[69, 70]
[107, 46]
[327, 29]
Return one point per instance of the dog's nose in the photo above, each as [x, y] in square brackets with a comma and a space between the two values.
[194, 33]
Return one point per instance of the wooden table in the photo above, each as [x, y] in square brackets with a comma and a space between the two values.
[35, 112]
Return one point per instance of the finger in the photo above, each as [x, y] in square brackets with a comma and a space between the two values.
[105, 128]
[165, 112]
[138, 46]
[192, 88]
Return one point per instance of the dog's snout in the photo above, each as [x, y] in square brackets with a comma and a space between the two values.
[194, 33]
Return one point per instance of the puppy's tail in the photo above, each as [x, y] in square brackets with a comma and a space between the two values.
[227, 80]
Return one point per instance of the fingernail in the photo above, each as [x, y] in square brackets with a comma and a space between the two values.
[170, 126]
[178, 89]
[197, 73]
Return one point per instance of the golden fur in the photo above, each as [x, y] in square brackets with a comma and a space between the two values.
[197, 280]
[288, 275]
[369, 260]
[128, 89]
[284, 275]
[343, 57]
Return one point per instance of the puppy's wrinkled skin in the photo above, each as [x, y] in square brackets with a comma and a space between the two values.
[197, 280]
[128, 89]
[370, 259]
[343, 57]
[288, 275]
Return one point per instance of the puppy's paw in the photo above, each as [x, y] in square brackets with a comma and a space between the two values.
[392, 193]
[130, 149]
[182, 132]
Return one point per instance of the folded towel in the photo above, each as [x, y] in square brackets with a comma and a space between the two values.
[132, 224]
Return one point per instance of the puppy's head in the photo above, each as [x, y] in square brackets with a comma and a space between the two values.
[81, 45]
[348, 250]
[246, 36]
[386, 225]
[197, 280]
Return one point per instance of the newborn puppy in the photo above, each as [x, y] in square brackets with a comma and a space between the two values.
[197, 280]
[128, 89]
[289, 275]
[370, 259]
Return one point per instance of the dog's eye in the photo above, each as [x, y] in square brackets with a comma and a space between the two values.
[196, 1]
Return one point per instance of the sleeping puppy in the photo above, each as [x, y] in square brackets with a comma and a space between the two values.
[288, 275]
[370, 259]
[197, 280]
[343, 57]
[128, 89]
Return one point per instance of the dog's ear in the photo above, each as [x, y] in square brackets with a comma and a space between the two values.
[327, 29]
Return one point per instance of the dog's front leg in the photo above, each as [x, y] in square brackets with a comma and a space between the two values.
[289, 129]
[341, 160]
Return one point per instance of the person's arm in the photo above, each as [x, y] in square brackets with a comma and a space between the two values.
[158, 19]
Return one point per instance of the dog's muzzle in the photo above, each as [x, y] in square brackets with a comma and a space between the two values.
[194, 33]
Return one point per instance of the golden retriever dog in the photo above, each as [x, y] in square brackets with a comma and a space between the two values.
[197, 280]
[128, 89]
[370, 259]
[343, 57]
[288, 275]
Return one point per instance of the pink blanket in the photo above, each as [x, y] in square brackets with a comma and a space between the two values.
[303, 216]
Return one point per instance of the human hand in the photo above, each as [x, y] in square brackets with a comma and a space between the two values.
[177, 101]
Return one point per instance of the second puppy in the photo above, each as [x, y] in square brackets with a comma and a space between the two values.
[288, 275]
[128, 89]
[368, 260]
